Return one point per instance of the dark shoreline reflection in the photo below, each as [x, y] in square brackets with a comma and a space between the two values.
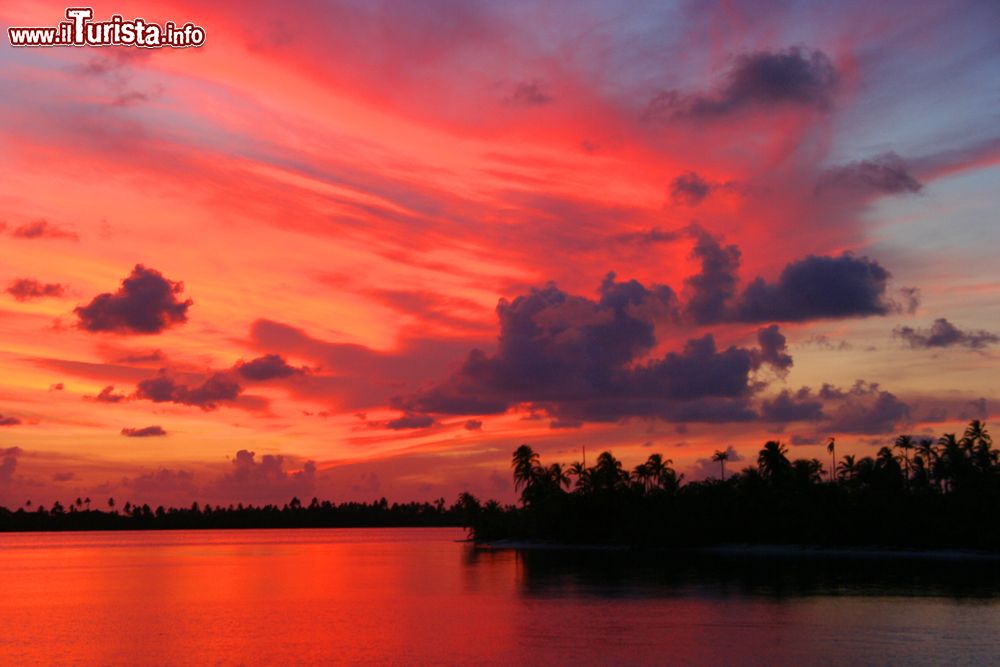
[641, 574]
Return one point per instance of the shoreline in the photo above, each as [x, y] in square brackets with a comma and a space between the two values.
[771, 551]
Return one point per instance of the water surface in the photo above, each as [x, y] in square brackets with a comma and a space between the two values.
[418, 596]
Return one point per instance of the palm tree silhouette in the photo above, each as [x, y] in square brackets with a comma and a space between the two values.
[721, 457]
[927, 450]
[608, 474]
[556, 476]
[656, 473]
[979, 442]
[905, 443]
[951, 461]
[976, 432]
[847, 468]
[831, 449]
[642, 476]
[773, 461]
[582, 474]
[525, 464]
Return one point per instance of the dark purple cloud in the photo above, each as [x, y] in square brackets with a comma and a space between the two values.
[581, 359]
[945, 334]
[790, 407]
[42, 229]
[817, 288]
[762, 79]
[218, 388]
[710, 291]
[886, 173]
[866, 409]
[146, 303]
[152, 356]
[24, 289]
[107, 395]
[473, 425]
[9, 421]
[774, 349]
[409, 421]
[267, 367]
[144, 432]
[689, 188]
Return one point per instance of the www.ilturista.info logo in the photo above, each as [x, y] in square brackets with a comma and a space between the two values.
[80, 30]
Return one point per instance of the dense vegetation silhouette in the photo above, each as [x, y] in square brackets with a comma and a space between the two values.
[79, 516]
[920, 493]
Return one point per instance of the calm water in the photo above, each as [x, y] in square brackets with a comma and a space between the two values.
[416, 596]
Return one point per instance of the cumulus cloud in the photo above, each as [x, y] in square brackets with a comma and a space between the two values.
[42, 229]
[774, 349]
[818, 287]
[144, 432]
[265, 480]
[886, 173]
[866, 408]
[710, 291]
[146, 303]
[24, 289]
[761, 79]
[267, 367]
[945, 334]
[218, 388]
[815, 287]
[582, 359]
[787, 406]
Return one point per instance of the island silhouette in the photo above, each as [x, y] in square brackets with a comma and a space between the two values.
[920, 493]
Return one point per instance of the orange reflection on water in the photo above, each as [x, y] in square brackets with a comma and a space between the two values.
[417, 596]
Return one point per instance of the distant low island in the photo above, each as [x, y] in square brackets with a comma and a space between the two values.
[294, 514]
[921, 493]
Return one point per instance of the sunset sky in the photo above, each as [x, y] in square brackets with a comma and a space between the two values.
[364, 249]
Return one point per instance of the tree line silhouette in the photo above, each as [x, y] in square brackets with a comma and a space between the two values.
[79, 516]
[919, 493]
